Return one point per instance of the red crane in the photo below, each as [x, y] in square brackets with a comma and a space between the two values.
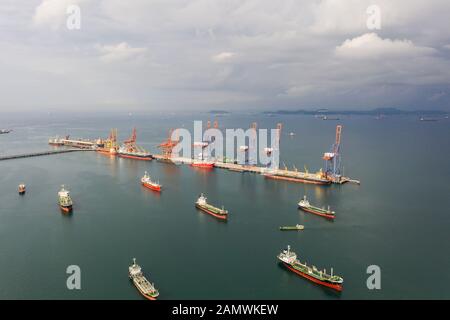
[168, 145]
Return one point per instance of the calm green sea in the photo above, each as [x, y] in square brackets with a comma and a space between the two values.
[398, 218]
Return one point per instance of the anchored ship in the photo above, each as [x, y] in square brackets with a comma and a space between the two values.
[306, 206]
[146, 288]
[214, 211]
[148, 183]
[290, 261]
[22, 189]
[4, 131]
[296, 227]
[65, 201]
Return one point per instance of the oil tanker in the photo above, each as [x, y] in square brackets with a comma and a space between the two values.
[146, 288]
[65, 201]
[306, 206]
[289, 260]
[214, 211]
[148, 183]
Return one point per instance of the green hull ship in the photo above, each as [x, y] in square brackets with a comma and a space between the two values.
[214, 211]
[289, 259]
[296, 227]
[306, 206]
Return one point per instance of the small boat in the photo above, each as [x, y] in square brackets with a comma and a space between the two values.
[148, 183]
[214, 211]
[146, 288]
[5, 131]
[22, 189]
[306, 206]
[290, 261]
[428, 119]
[296, 227]
[65, 201]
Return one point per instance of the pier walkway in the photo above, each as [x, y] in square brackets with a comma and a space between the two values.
[38, 154]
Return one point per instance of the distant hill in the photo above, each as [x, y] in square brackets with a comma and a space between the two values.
[218, 112]
[377, 111]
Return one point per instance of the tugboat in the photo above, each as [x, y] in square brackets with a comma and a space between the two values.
[65, 201]
[306, 206]
[148, 183]
[146, 288]
[22, 189]
[214, 211]
[289, 259]
[296, 227]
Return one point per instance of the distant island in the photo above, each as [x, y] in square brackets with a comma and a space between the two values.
[219, 112]
[377, 111]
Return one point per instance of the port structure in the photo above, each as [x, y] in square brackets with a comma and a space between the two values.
[168, 145]
[332, 159]
[110, 144]
[247, 150]
[205, 145]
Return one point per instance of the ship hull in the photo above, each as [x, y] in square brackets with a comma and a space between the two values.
[328, 216]
[106, 152]
[308, 181]
[218, 216]
[337, 287]
[56, 144]
[22, 192]
[152, 187]
[203, 165]
[66, 209]
[136, 157]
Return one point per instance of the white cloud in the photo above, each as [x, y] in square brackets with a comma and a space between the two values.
[223, 57]
[371, 46]
[119, 52]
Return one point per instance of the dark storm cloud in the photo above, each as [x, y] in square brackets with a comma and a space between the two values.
[204, 54]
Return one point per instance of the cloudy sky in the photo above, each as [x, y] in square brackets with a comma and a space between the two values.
[215, 54]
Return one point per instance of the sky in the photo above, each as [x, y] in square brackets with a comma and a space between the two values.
[167, 55]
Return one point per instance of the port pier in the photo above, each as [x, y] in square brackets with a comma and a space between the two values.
[38, 154]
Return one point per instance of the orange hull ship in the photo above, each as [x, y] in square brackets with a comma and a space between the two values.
[203, 164]
[148, 183]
